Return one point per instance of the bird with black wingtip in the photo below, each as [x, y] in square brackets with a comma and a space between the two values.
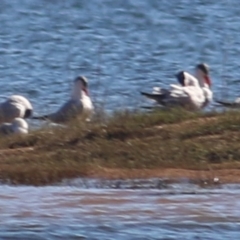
[192, 92]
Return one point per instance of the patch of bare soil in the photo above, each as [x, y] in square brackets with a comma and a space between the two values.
[174, 174]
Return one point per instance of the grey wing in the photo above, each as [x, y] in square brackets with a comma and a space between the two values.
[10, 110]
[176, 96]
[169, 98]
[159, 98]
[68, 111]
[187, 97]
[174, 101]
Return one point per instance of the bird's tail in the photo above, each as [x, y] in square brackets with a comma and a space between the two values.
[227, 104]
[45, 117]
[154, 96]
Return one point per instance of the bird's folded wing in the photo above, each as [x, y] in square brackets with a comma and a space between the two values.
[68, 110]
[9, 110]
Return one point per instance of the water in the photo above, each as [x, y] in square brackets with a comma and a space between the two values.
[121, 46]
[75, 211]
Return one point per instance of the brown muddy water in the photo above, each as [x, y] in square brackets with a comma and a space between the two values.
[130, 209]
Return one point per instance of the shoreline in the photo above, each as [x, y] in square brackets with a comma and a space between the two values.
[225, 173]
[219, 176]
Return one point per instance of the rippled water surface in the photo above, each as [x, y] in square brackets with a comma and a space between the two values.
[122, 46]
[176, 211]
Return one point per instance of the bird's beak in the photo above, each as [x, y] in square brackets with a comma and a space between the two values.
[208, 80]
[85, 90]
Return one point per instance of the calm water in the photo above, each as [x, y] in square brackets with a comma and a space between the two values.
[121, 46]
[177, 211]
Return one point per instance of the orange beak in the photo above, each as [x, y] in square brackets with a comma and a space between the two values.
[85, 90]
[208, 80]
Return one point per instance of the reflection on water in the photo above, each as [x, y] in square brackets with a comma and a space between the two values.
[176, 211]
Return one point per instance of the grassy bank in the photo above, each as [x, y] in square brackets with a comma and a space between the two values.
[130, 142]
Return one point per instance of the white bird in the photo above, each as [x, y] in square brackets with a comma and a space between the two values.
[79, 104]
[15, 107]
[18, 126]
[193, 93]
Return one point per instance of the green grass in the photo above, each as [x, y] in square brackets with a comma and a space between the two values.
[126, 140]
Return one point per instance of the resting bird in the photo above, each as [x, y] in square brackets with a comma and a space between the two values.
[18, 126]
[192, 93]
[15, 107]
[79, 104]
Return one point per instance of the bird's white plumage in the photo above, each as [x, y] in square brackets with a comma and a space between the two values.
[18, 126]
[237, 100]
[194, 94]
[15, 106]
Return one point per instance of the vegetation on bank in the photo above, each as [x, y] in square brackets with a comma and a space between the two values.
[126, 140]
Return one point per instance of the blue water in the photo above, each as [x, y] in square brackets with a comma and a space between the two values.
[121, 46]
[173, 212]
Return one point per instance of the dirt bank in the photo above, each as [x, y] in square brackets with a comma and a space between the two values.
[221, 176]
[167, 144]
